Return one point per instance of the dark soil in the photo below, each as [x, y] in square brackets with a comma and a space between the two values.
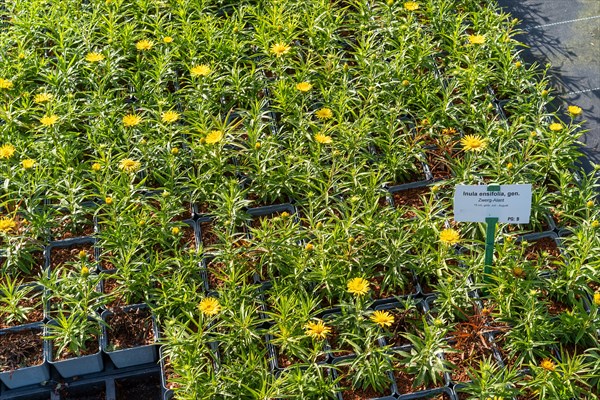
[93, 393]
[209, 237]
[404, 382]
[438, 164]
[21, 349]
[84, 229]
[544, 250]
[357, 394]
[145, 387]
[188, 238]
[404, 322]
[35, 315]
[411, 198]
[30, 270]
[110, 286]
[389, 292]
[92, 347]
[338, 348]
[131, 328]
[62, 255]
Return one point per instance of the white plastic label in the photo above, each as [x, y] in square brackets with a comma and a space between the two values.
[510, 204]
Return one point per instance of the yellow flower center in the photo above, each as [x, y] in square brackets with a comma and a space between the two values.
[214, 137]
[28, 163]
[280, 49]
[7, 151]
[209, 306]
[358, 286]
[144, 45]
[170, 117]
[324, 113]
[449, 236]
[200, 70]
[323, 139]
[49, 120]
[130, 120]
[94, 57]
[304, 86]
[7, 225]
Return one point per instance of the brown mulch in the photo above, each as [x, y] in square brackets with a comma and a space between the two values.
[209, 237]
[92, 347]
[84, 229]
[131, 328]
[20, 349]
[545, 250]
[357, 394]
[411, 198]
[61, 255]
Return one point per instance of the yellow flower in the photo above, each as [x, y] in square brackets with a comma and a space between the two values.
[411, 6]
[214, 137]
[544, 92]
[96, 167]
[175, 230]
[324, 113]
[175, 150]
[323, 139]
[200, 70]
[257, 145]
[94, 57]
[555, 127]
[5, 84]
[129, 165]
[130, 120]
[597, 298]
[358, 286]
[209, 306]
[144, 44]
[304, 86]
[28, 163]
[589, 204]
[85, 271]
[317, 330]
[449, 236]
[473, 143]
[518, 272]
[49, 120]
[509, 165]
[280, 49]
[382, 318]
[42, 97]
[7, 150]
[405, 82]
[108, 200]
[285, 215]
[82, 254]
[476, 39]
[170, 116]
[595, 223]
[167, 39]
[574, 110]
[309, 247]
[7, 224]
[547, 364]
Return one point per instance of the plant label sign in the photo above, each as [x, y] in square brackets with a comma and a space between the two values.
[511, 204]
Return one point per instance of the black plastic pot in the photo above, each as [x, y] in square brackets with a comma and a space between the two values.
[131, 356]
[75, 366]
[428, 394]
[392, 388]
[72, 242]
[31, 375]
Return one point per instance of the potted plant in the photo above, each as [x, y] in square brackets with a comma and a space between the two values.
[129, 335]
[27, 366]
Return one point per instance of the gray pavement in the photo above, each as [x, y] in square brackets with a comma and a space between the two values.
[566, 34]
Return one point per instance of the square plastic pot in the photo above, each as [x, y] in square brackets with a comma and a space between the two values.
[75, 366]
[133, 356]
[27, 376]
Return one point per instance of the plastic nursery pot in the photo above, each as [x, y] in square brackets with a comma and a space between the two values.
[444, 393]
[363, 394]
[68, 250]
[408, 195]
[28, 339]
[75, 366]
[128, 326]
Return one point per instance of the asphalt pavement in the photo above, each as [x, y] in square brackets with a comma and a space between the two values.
[566, 34]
